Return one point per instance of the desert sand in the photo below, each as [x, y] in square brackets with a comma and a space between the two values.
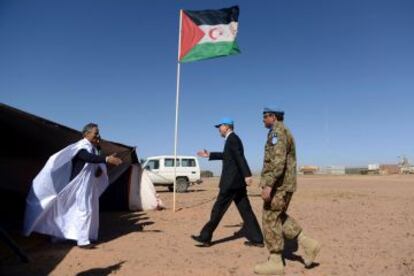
[365, 225]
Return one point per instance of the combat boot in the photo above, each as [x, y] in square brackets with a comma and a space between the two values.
[273, 266]
[311, 248]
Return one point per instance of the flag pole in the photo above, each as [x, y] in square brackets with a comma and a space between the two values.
[177, 102]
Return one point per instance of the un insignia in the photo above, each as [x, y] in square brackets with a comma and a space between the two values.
[274, 139]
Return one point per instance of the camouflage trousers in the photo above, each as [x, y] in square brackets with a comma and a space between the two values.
[277, 224]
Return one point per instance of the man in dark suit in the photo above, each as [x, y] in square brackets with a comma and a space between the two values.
[234, 178]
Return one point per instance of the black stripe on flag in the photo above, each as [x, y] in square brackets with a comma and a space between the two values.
[214, 17]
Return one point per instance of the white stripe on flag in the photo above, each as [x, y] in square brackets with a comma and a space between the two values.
[219, 33]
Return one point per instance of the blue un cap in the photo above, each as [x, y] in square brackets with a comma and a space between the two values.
[225, 121]
[273, 111]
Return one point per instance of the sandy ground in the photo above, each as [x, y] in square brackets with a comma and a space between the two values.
[365, 224]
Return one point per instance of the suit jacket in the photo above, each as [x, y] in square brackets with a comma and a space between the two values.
[235, 167]
[82, 157]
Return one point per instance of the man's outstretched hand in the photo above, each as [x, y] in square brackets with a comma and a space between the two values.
[203, 153]
[113, 160]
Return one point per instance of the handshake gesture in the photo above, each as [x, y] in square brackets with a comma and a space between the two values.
[113, 160]
[203, 153]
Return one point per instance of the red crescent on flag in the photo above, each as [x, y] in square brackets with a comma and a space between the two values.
[214, 33]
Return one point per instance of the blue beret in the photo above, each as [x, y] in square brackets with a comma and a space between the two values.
[273, 110]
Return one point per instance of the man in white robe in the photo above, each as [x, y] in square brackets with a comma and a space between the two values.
[63, 201]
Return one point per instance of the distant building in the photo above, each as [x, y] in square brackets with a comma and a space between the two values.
[373, 167]
[356, 170]
[333, 170]
[405, 166]
[407, 170]
[307, 170]
[386, 169]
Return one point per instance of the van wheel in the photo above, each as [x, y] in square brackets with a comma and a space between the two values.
[182, 185]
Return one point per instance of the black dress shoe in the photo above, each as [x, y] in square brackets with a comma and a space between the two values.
[204, 243]
[257, 244]
[88, 246]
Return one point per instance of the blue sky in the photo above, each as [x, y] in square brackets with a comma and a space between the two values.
[342, 70]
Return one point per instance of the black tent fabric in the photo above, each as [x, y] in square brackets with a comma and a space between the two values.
[27, 141]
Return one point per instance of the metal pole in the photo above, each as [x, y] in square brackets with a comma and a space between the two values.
[177, 103]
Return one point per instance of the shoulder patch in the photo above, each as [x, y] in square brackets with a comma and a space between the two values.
[274, 139]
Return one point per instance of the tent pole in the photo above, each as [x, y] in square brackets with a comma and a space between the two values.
[177, 102]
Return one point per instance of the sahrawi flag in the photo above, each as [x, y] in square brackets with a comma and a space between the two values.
[208, 34]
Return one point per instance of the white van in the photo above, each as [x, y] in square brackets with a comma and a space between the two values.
[161, 171]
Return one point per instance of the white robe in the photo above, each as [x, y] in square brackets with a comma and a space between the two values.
[63, 209]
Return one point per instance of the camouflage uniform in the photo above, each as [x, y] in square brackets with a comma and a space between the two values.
[279, 173]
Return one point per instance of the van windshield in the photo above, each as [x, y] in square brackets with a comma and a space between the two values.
[153, 164]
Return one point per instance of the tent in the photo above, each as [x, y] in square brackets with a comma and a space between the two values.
[28, 141]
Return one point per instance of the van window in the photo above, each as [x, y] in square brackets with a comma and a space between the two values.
[169, 162]
[153, 164]
[188, 162]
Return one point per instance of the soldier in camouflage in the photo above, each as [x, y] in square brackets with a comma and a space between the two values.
[278, 183]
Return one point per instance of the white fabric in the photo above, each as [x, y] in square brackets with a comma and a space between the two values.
[143, 195]
[64, 209]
